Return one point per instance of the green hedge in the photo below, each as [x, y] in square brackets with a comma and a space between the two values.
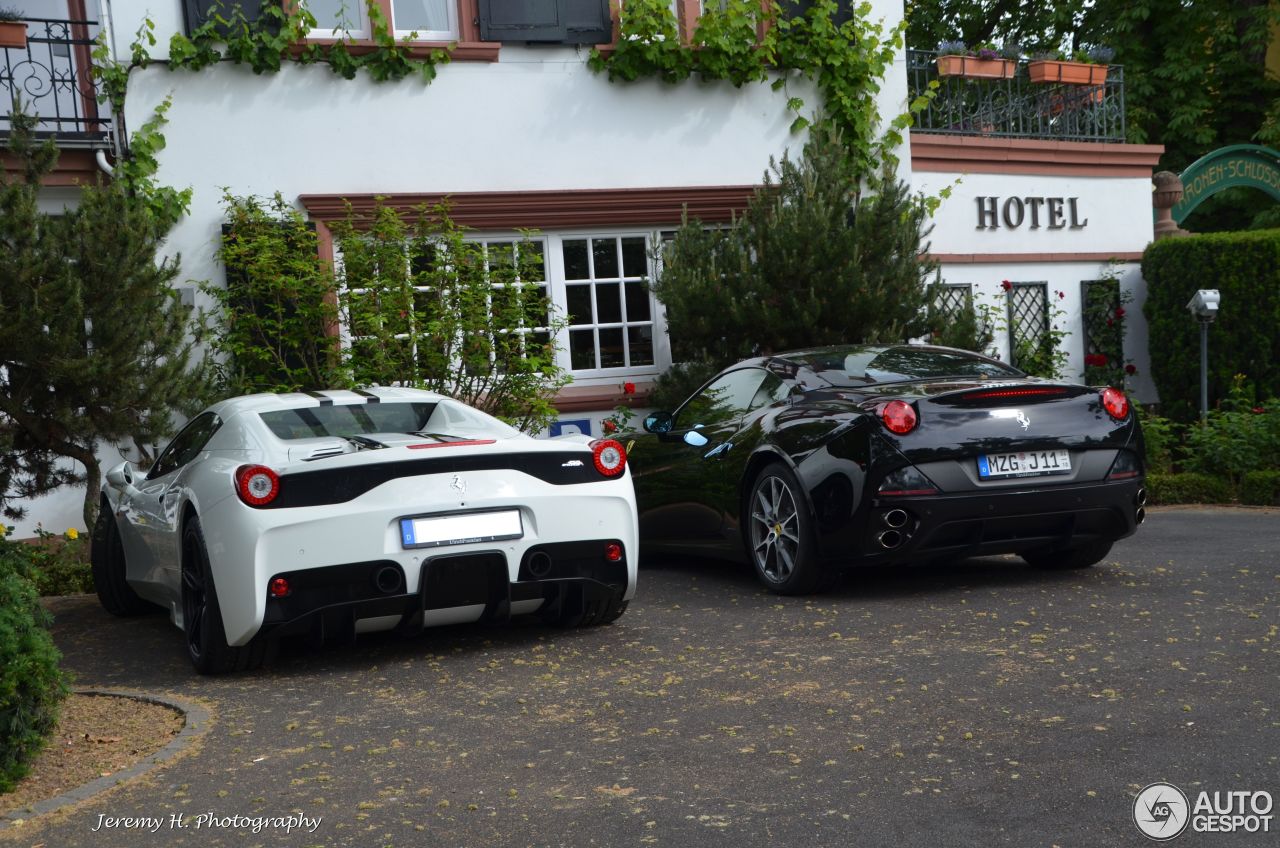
[1261, 488]
[1245, 339]
[1189, 488]
[31, 685]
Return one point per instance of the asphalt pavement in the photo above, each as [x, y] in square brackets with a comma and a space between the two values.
[980, 702]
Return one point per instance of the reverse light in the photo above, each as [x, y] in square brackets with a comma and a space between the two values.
[257, 485]
[1116, 404]
[609, 457]
[1125, 467]
[907, 482]
[899, 417]
[613, 552]
[278, 587]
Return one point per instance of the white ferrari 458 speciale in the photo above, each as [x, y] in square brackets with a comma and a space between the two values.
[341, 512]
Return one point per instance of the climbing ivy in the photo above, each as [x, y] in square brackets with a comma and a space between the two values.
[280, 35]
[745, 41]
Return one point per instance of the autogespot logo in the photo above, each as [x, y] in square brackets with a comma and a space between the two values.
[1161, 812]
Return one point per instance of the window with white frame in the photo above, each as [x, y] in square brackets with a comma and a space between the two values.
[607, 302]
[338, 18]
[597, 282]
[425, 20]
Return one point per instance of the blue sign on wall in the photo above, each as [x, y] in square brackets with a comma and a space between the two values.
[566, 426]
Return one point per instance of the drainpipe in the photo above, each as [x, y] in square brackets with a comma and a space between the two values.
[101, 158]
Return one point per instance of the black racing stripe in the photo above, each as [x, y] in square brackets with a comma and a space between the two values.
[370, 397]
[339, 485]
[324, 401]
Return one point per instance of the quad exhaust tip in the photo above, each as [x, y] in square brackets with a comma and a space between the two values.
[895, 518]
[1141, 497]
[539, 564]
[1140, 516]
[889, 539]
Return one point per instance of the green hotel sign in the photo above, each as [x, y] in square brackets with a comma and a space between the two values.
[1227, 167]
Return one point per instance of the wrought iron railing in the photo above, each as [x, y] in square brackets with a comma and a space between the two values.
[1017, 107]
[52, 79]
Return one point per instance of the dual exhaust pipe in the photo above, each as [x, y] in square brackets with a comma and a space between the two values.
[1140, 501]
[895, 520]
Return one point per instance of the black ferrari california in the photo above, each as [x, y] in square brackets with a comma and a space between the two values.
[809, 461]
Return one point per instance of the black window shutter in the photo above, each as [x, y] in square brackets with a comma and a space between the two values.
[521, 20]
[549, 21]
[196, 12]
[588, 22]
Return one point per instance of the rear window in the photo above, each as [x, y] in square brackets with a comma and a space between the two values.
[359, 419]
[862, 365]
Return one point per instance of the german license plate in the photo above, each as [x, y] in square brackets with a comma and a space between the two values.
[1024, 464]
[465, 528]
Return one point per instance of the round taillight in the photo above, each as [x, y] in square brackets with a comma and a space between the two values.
[257, 485]
[278, 587]
[613, 552]
[899, 417]
[1116, 404]
[609, 456]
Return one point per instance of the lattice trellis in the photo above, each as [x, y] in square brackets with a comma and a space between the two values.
[1102, 333]
[952, 300]
[1028, 316]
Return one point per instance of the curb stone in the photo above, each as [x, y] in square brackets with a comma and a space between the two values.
[196, 723]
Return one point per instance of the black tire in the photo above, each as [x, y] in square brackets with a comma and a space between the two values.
[573, 611]
[107, 562]
[1081, 557]
[206, 639]
[778, 533]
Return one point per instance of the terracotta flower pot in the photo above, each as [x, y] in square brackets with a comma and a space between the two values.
[972, 66]
[1072, 73]
[13, 34]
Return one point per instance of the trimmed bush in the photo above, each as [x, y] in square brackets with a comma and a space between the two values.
[1245, 268]
[1189, 488]
[1261, 488]
[31, 685]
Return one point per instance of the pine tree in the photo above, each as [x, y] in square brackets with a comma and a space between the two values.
[95, 344]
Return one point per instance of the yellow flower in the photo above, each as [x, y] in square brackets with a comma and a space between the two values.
[4, 531]
[73, 533]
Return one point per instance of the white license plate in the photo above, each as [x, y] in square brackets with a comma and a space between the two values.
[430, 531]
[1024, 464]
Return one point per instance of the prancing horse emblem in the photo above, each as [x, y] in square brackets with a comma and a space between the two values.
[461, 485]
[1021, 418]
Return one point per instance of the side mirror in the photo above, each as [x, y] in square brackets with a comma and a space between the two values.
[120, 476]
[695, 439]
[658, 422]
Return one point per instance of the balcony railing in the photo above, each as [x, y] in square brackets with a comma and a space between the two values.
[52, 80]
[1017, 107]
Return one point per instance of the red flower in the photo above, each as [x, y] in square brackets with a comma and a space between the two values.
[1131, 369]
[610, 427]
[1110, 322]
[1006, 285]
[1257, 410]
[1096, 359]
[1119, 311]
[1062, 295]
[628, 388]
